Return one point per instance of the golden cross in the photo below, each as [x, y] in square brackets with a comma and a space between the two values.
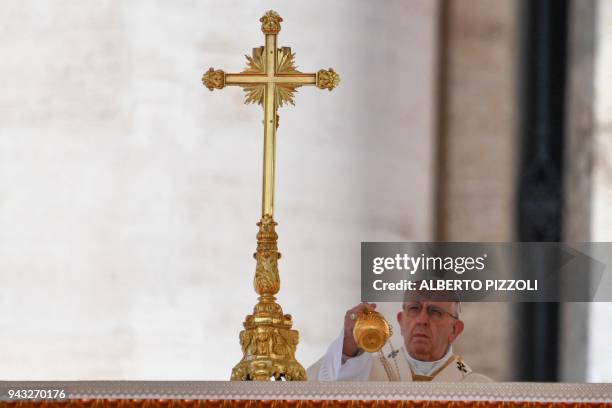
[270, 79]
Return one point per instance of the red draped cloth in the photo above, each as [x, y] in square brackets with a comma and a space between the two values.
[200, 394]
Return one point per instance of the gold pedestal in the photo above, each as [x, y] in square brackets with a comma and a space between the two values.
[267, 341]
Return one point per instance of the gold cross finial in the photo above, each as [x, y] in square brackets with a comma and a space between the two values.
[270, 22]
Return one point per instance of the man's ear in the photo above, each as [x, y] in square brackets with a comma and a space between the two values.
[457, 329]
[400, 317]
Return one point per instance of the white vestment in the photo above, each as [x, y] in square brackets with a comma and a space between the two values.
[395, 366]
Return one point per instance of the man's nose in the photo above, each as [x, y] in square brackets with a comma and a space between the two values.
[422, 317]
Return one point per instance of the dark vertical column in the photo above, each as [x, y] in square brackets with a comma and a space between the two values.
[442, 96]
[540, 194]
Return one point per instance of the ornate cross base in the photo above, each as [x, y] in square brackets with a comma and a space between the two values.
[268, 353]
[268, 343]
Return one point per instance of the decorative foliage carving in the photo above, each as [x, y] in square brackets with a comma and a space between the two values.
[255, 64]
[327, 79]
[285, 61]
[267, 341]
[271, 354]
[254, 93]
[284, 94]
[285, 64]
[214, 79]
[270, 22]
[266, 272]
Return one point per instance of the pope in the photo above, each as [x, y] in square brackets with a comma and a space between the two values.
[429, 327]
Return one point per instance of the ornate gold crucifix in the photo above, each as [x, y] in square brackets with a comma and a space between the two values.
[270, 79]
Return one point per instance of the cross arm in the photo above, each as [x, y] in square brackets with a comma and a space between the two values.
[218, 79]
[291, 79]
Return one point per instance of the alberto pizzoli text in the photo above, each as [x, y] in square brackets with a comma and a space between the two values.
[459, 285]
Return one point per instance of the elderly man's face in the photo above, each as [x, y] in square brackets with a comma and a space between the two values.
[429, 328]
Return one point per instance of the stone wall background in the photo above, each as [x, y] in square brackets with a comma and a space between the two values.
[600, 331]
[129, 193]
[478, 157]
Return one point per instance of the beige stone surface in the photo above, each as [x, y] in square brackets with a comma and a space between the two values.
[578, 177]
[600, 330]
[129, 193]
[477, 157]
